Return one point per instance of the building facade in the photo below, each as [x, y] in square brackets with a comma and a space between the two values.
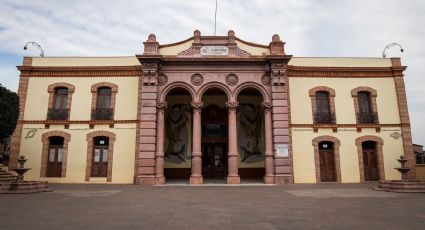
[212, 107]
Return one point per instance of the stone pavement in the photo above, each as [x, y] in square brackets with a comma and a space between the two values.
[323, 206]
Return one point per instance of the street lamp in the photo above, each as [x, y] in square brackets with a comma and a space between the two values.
[384, 55]
[36, 45]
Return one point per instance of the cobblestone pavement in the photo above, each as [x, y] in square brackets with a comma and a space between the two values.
[323, 206]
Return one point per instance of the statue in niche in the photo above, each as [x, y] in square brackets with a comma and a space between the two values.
[176, 133]
[250, 133]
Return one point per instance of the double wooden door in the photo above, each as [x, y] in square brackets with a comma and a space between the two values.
[214, 160]
[100, 161]
[327, 166]
[370, 165]
[54, 164]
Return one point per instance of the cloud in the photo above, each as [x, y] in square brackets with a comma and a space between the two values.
[309, 28]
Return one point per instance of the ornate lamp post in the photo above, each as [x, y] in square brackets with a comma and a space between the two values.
[384, 55]
[36, 45]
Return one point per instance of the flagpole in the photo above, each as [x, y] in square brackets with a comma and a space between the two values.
[215, 17]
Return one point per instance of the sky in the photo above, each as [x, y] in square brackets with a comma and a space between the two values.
[310, 28]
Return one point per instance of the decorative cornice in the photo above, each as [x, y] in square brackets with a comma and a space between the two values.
[339, 72]
[81, 71]
[347, 125]
[67, 122]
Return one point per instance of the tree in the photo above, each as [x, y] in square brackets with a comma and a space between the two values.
[9, 112]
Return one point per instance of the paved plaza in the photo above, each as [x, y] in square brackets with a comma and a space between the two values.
[323, 206]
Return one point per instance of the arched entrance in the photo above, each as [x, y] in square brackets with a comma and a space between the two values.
[370, 161]
[251, 141]
[214, 141]
[177, 135]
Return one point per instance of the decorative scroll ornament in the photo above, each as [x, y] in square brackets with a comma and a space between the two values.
[31, 133]
[162, 79]
[267, 106]
[395, 135]
[197, 79]
[232, 105]
[161, 105]
[197, 105]
[266, 79]
[232, 79]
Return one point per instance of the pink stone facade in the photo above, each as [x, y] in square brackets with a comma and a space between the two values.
[196, 74]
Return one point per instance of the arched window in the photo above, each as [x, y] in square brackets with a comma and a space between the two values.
[60, 109]
[323, 113]
[365, 105]
[103, 100]
[323, 105]
[103, 110]
[54, 153]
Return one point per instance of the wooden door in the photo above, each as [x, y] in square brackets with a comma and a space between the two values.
[54, 165]
[214, 160]
[370, 165]
[100, 161]
[327, 166]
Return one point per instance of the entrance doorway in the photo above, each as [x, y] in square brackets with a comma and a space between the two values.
[214, 119]
[327, 162]
[370, 161]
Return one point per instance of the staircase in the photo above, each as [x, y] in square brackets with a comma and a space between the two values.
[5, 175]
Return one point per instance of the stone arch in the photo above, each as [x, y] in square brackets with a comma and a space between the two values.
[312, 92]
[95, 87]
[380, 155]
[45, 150]
[336, 142]
[51, 88]
[89, 139]
[355, 91]
[261, 89]
[174, 85]
[215, 84]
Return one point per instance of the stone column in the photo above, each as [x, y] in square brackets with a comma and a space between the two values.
[196, 177]
[269, 177]
[233, 162]
[159, 156]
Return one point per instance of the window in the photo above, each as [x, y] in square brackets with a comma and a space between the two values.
[323, 113]
[420, 158]
[365, 105]
[103, 109]
[323, 105]
[60, 103]
[103, 101]
[60, 97]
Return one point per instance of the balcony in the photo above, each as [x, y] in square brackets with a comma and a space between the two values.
[102, 114]
[324, 118]
[58, 114]
[367, 118]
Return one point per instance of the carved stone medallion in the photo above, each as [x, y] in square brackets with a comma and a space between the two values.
[232, 79]
[197, 79]
[266, 79]
[162, 79]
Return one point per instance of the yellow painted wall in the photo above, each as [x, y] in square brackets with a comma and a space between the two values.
[253, 50]
[85, 61]
[340, 62]
[125, 104]
[174, 50]
[386, 100]
[123, 154]
[420, 172]
[303, 153]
